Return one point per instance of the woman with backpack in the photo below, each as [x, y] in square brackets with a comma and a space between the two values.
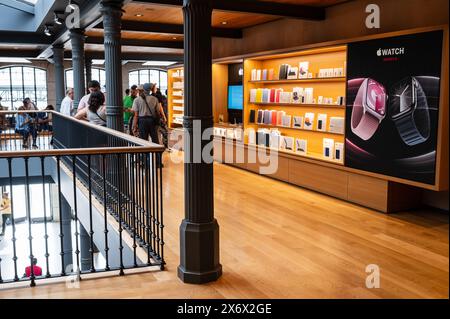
[96, 110]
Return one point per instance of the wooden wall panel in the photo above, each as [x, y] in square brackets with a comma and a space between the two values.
[322, 179]
[220, 91]
[368, 191]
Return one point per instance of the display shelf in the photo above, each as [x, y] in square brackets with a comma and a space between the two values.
[312, 88]
[309, 155]
[314, 80]
[299, 105]
[297, 129]
[175, 95]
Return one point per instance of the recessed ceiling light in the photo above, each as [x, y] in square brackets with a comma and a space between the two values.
[47, 31]
[174, 38]
[58, 19]
[224, 22]
[139, 15]
[158, 63]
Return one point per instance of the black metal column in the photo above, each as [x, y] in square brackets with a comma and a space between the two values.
[199, 231]
[88, 65]
[66, 222]
[77, 39]
[85, 246]
[112, 24]
[58, 60]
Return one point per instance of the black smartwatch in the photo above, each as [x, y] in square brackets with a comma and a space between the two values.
[410, 101]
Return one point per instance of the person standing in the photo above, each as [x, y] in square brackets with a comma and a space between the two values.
[96, 111]
[127, 108]
[67, 103]
[5, 211]
[93, 86]
[163, 131]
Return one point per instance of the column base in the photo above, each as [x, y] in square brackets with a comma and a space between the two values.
[199, 252]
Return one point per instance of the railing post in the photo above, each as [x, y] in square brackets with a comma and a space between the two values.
[199, 231]
[66, 222]
[85, 245]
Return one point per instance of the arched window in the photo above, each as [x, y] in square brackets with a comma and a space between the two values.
[138, 77]
[97, 75]
[20, 82]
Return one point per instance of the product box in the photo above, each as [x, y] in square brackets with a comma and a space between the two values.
[322, 122]
[309, 95]
[275, 137]
[301, 146]
[253, 77]
[297, 95]
[253, 95]
[258, 75]
[303, 70]
[309, 121]
[298, 122]
[286, 120]
[339, 152]
[285, 97]
[337, 125]
[264, 75]
[287, 143]
[328, 148]
[251, 137]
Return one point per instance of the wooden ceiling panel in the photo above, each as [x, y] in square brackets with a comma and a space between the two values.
[131, 49]
[139, 35]
[174, 15]
[238, 20]
[153, 13]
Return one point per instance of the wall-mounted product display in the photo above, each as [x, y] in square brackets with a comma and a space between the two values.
[303, 115]
[176, 97]
[393, 104]
[353, 119]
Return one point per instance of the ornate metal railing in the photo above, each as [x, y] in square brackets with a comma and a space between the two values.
[97, 173]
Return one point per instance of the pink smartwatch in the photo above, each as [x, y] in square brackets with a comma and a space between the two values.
[369, 106]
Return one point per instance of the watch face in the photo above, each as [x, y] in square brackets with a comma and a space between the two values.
[404, 97]
[376, 97]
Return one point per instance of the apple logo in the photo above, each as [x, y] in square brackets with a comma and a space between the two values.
[379, 52]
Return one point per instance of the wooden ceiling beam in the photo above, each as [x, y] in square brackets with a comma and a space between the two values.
[127, 56]
[13, 37]
[170, 28]
[140, 43]
[288, 10]
[29, 54]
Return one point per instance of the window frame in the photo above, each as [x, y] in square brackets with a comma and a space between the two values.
[149, 70]
[11, 106]
[93, 68]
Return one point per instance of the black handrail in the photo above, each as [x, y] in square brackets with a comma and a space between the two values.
[110, 168]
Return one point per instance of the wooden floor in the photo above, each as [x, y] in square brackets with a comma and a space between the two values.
[281, 241]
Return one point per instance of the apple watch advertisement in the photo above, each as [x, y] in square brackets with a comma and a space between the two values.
[393, 92]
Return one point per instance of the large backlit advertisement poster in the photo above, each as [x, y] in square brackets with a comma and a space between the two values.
[393, 104]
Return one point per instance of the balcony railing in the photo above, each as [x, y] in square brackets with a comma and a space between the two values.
[109, 182]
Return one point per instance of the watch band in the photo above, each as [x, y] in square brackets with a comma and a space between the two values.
[414, 128]
[363, 123]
